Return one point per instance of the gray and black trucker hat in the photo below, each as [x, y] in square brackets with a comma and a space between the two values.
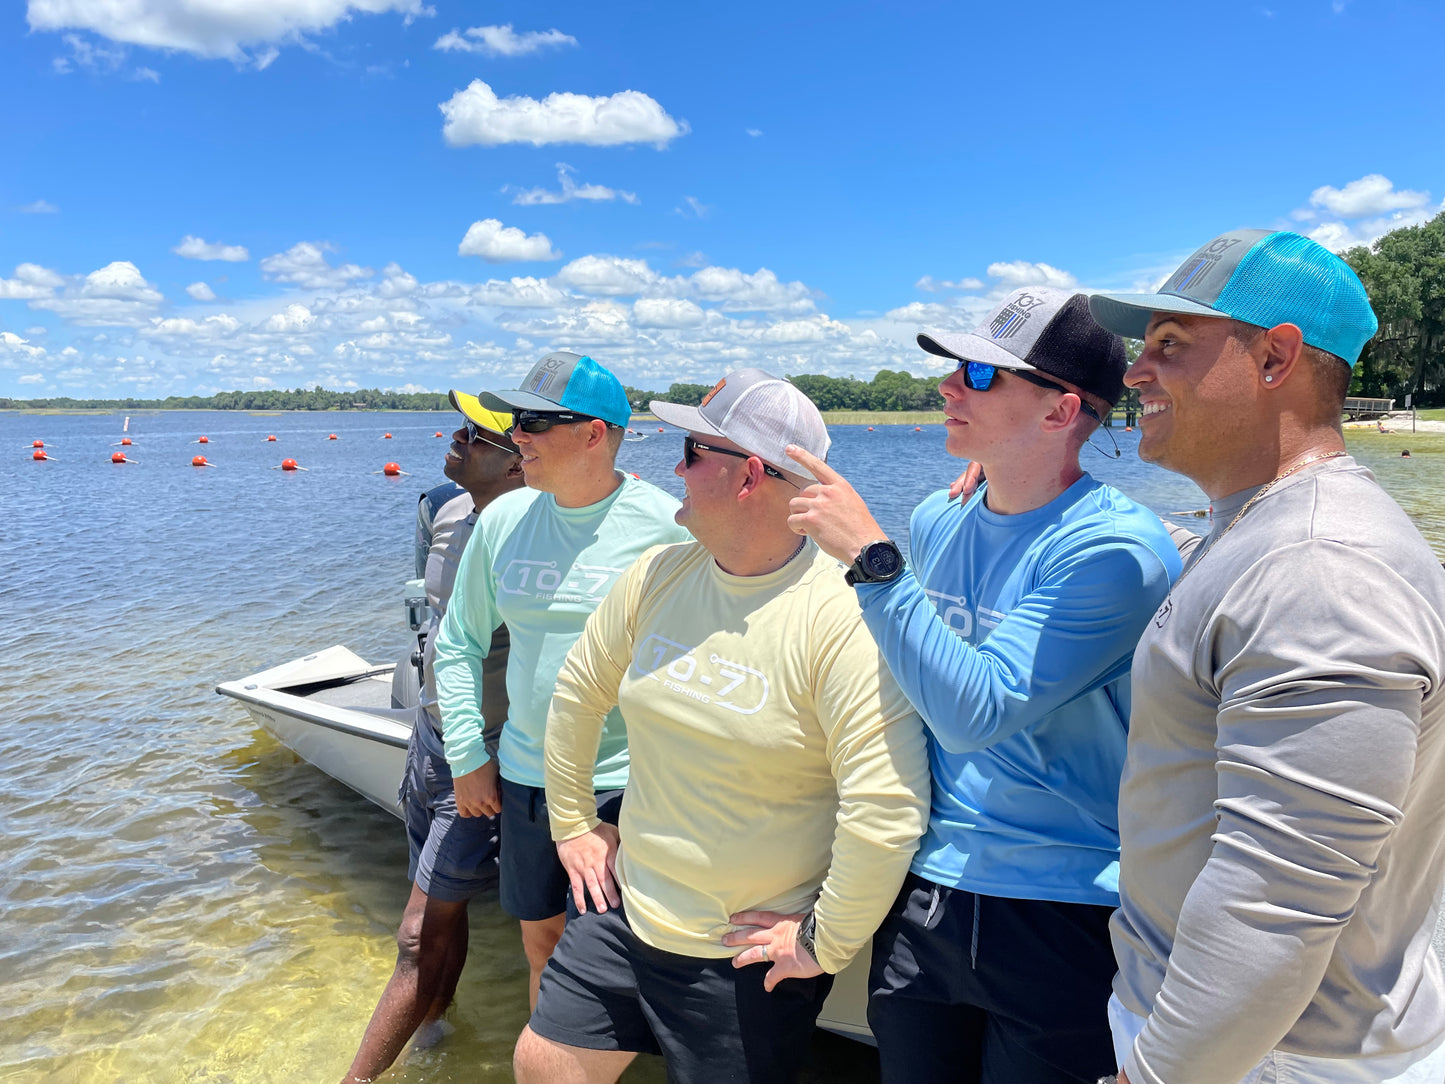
[1044, 330]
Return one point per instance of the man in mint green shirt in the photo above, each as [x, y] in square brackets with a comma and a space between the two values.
[541, 560]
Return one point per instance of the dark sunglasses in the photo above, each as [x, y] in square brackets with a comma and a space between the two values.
[978, 376]
[480, 434]
[539, 421]
[691, 447]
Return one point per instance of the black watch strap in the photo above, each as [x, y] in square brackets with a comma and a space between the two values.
[878, 562]
[808, 935]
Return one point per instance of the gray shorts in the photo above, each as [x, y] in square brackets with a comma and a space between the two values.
[453, 858]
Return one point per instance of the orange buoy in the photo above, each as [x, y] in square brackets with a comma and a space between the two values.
[438, 433]
[39, 455]
[117, 457]
[37, 444]
[203, 440]
[1128, 429]
[918, 428]
[386, 436]
[199, 461]
[125, 442]
[870, 429]
[271, 437]
[288, 464]
[660, 429]
[331, 437]
[391, 470]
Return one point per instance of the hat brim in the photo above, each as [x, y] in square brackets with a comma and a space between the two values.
[967, 346]
[684, 417]
[1129, 314]
[508, 401]
[471, 408]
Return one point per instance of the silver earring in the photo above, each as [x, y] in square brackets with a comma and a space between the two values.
[1269, 380]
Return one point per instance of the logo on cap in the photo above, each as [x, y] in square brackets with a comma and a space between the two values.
[550, 368]
[706, 399]
[1196, 268]
[1014, 315]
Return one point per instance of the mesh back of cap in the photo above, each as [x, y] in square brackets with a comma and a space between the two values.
[771, 415]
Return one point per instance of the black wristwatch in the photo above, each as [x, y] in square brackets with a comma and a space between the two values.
[878, 562]
[807, 935]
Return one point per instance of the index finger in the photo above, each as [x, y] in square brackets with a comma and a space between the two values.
[821, 470]
[765, 919]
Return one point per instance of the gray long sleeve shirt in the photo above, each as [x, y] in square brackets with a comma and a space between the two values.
[1282, 810]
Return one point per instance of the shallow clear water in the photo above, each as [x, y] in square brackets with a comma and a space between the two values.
[183, 900]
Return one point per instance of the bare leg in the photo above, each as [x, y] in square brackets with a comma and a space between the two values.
[538, 941]
[427, 968]
[541, 1061]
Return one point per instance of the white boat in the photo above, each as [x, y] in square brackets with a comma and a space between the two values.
[333, 709]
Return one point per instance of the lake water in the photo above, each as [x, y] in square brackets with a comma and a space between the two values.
[185, 901]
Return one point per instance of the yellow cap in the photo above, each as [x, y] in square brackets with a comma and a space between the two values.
[471, 408]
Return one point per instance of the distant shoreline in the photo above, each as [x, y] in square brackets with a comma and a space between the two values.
[832, 417]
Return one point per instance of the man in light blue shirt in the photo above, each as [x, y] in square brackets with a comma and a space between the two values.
[540, 560]
[1011, 629]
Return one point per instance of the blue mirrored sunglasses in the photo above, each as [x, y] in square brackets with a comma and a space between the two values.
[978, 376]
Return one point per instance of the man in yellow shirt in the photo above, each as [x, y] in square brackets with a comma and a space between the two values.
[779, 778]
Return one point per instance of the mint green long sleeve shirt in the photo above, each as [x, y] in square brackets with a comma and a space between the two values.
[541, 569]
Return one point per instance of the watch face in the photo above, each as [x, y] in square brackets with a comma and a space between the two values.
[882, 559]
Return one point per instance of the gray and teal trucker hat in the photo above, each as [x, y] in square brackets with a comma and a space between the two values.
[566, 381]
[758, 412]
[1260, 277]
[1046, 331]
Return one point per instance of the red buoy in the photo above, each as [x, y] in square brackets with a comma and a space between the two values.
[288, 464]
[331, 437]
[117, 457]
[37, 444]
[125, 442]
[386, 436]
[438, 433]
[660, 429]
[39, 455]
[918, 428]
[199, 461]
[870, 429]
[203, 440]
[271, 437]
[391, 470]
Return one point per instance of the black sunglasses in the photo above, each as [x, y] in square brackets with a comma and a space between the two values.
[691, 447]
[480, 434]
[539, 421]
[978, 376]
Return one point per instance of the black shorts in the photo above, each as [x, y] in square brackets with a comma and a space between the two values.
[534, 886]
[604, 989]
[973, 988]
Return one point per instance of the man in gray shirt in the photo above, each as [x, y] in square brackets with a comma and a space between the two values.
[1281, 817]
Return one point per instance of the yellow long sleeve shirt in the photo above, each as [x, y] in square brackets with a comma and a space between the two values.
[774, 760]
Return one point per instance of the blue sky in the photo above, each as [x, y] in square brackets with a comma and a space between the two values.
[419, 195]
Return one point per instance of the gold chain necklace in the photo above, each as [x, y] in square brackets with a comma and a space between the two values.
[1278, 478]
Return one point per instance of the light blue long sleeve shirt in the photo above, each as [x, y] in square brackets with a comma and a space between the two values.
[1013, 637]
[542, 569]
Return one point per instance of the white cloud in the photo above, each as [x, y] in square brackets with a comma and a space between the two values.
[667, 312]
[1016, 273]
[755, 132]
[502, 41]
[291, 319]
[304, 264]
[609, 276]
[13, 345]
[193, 248]
[695, 208]
[31, 281]
[146, 75]
[115, 294]
[931, 285]
[570, 190]
[496, 243]
[1372, 194]
[477, 116]
[40, 207]
[32, 378]
[739, 291]
[208, 29]
[201, 292]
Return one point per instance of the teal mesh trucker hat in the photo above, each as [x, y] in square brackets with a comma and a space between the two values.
[1261, 277]
[566, 381]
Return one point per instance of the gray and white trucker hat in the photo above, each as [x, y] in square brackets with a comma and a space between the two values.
[758, 412]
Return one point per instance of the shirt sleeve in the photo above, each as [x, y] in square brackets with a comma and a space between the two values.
[880, 764]
[1074, 629]
[423, 535]
[586, 691]
[462, 646]
[1319, 717]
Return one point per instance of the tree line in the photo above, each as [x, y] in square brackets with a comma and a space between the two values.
[1404, 274]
